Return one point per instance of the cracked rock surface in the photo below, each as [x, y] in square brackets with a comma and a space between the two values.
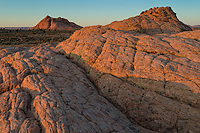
[42, 91]
[155, 80]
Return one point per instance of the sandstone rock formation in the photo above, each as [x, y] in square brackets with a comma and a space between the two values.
[56, 23]
[144, 81]
[152, 21]
[41, 91]
[155, 80]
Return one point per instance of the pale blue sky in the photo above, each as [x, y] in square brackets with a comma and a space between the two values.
[89, 12]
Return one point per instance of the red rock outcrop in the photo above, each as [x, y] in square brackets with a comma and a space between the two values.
[155, 80]
[41, 91]
[56, 23]
[152, 21]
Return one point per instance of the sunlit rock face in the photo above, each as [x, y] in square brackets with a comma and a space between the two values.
[103, 79]
[155, 80]
[42, 91]
[56, 23]
[152, 21]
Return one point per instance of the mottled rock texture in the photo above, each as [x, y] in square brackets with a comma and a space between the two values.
[42, 91]
[152, 21]
[155, 80]
[56, 23]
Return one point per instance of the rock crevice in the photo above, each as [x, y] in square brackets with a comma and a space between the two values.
[166, 73]
[61, 97]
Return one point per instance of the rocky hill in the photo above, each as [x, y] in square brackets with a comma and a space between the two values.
[152, 21]
[155, 80]
[111, 81]
[56, 23]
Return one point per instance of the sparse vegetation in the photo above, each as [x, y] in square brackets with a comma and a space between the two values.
[97, 75]
[142, 31]
[134, 108]
[32, 37]
[141, 85]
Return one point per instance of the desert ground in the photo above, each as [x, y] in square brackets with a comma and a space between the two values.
[32, 37]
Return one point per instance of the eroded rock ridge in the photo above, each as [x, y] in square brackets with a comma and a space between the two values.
[152, 79]
[152, 21]
[41, 91]
[155, 80]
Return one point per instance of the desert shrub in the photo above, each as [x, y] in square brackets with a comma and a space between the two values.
[33, 37]
[32, 33]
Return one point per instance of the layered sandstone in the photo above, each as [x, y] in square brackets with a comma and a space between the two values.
[56, 23]
[155, 80]
[41, 91]
[152, 21]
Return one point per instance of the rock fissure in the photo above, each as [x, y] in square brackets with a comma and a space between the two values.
[116, 58]
[156, 70]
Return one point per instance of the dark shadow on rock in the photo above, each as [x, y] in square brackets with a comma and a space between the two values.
[151, 31]
[156, 105]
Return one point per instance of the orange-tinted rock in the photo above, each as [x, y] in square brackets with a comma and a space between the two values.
[190, 34]
[165, 68]
[13, 109]
[154, 80]
[56, 23]
[152, 21]
[53, 95]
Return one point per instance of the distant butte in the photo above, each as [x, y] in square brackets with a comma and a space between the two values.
[152, 21]
[56, 23]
